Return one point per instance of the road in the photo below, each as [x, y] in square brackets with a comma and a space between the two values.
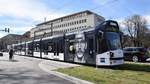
[25, 70]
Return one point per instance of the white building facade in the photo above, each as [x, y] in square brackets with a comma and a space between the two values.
[70, 23]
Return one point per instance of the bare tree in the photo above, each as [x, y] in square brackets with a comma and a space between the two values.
[136, 26]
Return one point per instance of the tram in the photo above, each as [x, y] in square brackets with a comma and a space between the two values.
[99, 46]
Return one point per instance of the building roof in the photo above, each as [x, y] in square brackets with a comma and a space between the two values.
[10, 36]
[9, 39]
[86, 11]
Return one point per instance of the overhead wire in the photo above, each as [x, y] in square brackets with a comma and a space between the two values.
[61, 7]
[108, 3]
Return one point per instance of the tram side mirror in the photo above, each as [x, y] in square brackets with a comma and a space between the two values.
[121, 38]
[100, 34]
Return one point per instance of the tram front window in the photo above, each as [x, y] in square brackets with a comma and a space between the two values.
[113, 40]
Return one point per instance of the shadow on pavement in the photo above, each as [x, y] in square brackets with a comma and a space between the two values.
[14, 60]
[29, 77]
[9, 60]
[133, 67]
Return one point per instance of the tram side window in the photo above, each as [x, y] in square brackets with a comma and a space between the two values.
[55, 48]
[30, 48]
[99, 45]
[45, 49]
[50, 48]
[103, 46]
[60, 46]
[71, 48]
[90, 46]
[37, 49]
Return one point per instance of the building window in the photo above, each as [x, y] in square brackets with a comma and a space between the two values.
[79, 21]
[75, 22]
[72, 23]
[66, 24]
[85, 20]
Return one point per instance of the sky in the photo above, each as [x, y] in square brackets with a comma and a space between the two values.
[22, 15]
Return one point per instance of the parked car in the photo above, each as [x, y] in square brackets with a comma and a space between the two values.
[136, 54]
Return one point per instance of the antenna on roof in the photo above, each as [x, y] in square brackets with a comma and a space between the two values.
[110, 18]
[44, 19]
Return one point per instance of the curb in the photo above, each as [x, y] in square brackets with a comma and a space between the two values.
[64, 76]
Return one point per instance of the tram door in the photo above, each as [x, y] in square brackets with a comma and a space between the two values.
[90, 49]
[69, 49]
[58, 44]
[56, 49]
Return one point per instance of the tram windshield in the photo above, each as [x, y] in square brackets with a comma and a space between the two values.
[113, 40]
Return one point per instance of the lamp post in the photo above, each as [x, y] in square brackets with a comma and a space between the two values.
[33, 43]
[20, 45]
[41, 44]
[6, 30]
[26, 37]
[51, 29]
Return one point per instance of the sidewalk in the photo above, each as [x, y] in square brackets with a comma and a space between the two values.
[25, 70]
[49, 66]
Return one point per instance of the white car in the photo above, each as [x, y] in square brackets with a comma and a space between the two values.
[148, 60]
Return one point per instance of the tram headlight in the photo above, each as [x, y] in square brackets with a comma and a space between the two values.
[111, 54]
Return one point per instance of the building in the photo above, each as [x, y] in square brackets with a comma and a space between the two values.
[8, 40]
[26, 36]
[74, 22]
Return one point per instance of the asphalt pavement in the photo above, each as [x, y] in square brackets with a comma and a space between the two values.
[26, 70]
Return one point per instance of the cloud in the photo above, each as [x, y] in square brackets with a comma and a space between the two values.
[15, 30]
[20, 30]
[120, 22]
[22, 15]
[100, 2]
[147, 17]
[123, 27]
[34, 9]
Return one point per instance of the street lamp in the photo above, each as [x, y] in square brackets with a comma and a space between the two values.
[33, 43]
[51, 29]
[41, 44]
[6, 30]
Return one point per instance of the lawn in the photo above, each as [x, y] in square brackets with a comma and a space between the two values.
[129, 73]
